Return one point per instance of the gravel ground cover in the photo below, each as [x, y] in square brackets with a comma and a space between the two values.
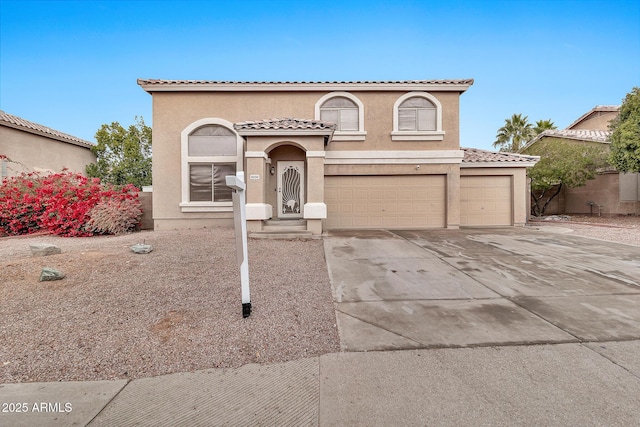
[619, 228]
[118, 314]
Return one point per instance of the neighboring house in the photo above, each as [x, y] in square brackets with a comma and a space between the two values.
[610, 192]
[330, 155]
[33, 147]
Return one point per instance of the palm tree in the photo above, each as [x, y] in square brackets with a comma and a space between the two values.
[542, 125]
[516, 131]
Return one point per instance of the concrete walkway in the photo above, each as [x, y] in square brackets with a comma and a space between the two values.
[478, 327]
[552, 385]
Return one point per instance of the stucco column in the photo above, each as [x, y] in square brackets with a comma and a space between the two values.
[521, 196]
[453, 197]
[315, 209]
[255, 175]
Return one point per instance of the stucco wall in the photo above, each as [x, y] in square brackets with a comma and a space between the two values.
[174, 111]
[603, 191]
[596, 121]
[39, 153]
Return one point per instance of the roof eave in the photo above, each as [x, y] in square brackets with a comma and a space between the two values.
[86, 144]
[302, 86]
[292, 132]
[499, 164]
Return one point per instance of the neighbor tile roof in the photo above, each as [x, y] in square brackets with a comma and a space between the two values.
[31, 127]
[475, 155]
[601, 136]
[285, 124]
[582, 134]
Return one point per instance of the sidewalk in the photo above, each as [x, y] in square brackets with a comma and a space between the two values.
[556, 385]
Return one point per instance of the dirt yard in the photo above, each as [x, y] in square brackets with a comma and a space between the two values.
[118, 314]
[619, 228]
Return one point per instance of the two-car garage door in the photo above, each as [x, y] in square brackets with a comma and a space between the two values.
[405, 201]
[415, 201]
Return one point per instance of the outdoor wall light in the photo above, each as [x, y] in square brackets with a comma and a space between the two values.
[272, 171]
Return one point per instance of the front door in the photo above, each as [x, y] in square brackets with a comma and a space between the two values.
[290, 189]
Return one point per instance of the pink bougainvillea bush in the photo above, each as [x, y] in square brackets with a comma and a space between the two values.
[63, 204]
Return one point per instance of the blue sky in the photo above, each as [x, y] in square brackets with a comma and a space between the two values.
[73, 65]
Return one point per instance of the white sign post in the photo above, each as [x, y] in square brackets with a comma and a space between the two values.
[240, 224]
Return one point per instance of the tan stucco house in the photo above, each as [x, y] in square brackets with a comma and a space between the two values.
[610, 192]
[326, 155]
[34, 147]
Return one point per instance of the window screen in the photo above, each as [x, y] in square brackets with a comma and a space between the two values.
[207, 182]
[342, 111]
[417, 114]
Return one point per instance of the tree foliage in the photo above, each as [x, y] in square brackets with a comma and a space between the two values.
[562, 163]
[542, 125]
[625, 134]
[514, 134]
[123, 155]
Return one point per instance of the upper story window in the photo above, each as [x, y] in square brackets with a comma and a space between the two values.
[342, 111]
[345, 110]
[417, 116]
[211, 150]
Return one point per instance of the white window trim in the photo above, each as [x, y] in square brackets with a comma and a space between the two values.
[358, 135]
[186, 160]
[432, 135]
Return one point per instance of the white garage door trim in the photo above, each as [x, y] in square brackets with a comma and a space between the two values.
[390, 201]
[486, 201]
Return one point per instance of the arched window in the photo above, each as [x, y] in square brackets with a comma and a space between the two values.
[346, 111]
[341, 111]
[417, 116]
[211, 150]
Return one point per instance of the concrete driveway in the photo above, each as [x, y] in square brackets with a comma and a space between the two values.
[480, 287]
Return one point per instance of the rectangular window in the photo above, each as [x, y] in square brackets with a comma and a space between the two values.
[406, 119]
[207, 182]
[349, 119]
[329, 116]
[346, 118]
[427, 119]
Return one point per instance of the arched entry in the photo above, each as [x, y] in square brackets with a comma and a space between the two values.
[288, 163]
[290, 196]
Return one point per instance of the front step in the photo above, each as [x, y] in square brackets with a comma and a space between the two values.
[283, 229]
[286, 222]
[289, 235]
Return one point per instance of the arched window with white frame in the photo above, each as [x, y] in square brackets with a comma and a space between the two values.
[417, 116]
[346, 111]
[211, 150]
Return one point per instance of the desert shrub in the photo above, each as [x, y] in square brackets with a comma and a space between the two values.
[58, 203]
[114, 216]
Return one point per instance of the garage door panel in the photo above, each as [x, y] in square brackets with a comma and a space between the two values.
[486, 201]
[391, 201]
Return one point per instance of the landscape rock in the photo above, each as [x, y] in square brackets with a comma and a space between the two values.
[557, 218]
[48, 274]
[141, 248]
[44, 249]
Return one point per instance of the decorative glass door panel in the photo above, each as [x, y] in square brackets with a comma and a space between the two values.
[290, 189]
